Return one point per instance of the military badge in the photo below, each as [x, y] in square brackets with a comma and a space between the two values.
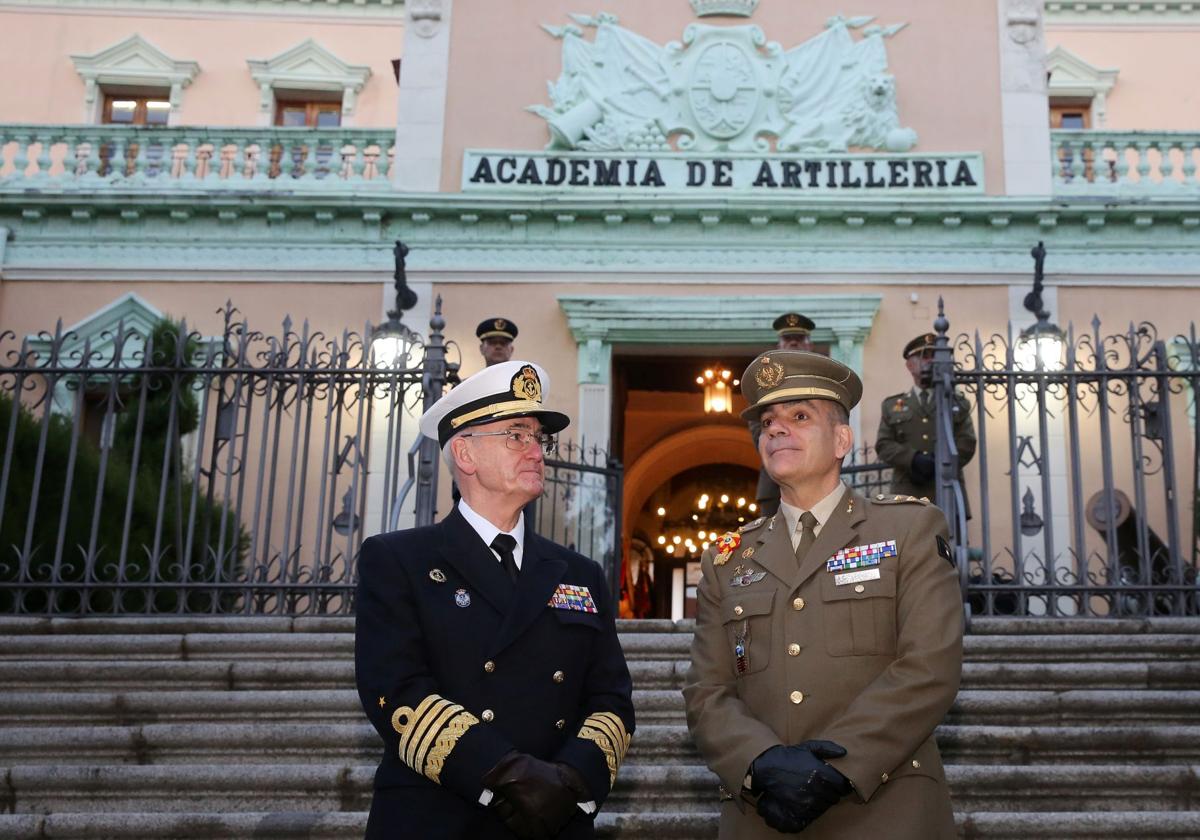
[741, 650]
[769, 375]
[725, 546]
[570, 597]
[749, 552]
[462, 597]
[526, 385]
[860, 556]
[745, 578]
[437, 576]
[855, 577]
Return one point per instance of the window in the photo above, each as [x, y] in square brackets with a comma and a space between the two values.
[136, 110]
[302, 114]
[1070, 116]
[1075, 116]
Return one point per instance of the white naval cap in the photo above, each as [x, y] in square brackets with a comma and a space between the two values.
[509, 389]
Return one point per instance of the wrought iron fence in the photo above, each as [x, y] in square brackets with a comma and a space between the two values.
[160, 471]
[864, 473]
[1086, 484]
[581, 506]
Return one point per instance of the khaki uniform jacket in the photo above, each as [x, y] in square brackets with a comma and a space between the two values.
[872, 666]
[906, 428]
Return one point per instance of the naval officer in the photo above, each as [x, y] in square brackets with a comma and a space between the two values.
[487, 656]
[496, 340]
[828, 639]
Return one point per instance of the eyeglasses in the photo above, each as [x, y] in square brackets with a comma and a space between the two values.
[519, 440]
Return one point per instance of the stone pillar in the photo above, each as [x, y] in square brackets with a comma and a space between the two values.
[594, 422]
[1024, 104]
[424, 72]
[847, 348]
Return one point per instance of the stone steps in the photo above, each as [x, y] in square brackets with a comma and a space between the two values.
[194, 727]
[271, 743]
[128, 708]
[34, 789]
[288, 825]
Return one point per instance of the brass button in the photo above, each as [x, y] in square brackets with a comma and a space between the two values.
[916, 764]
[924, 437]
[559, 724]
[738, 610]
[559, 676]
[860, 588]
[489, 666]
[924, 419]
[797, 697]
[798, 604]
[883, 778]
[793, 649]
[487, 716]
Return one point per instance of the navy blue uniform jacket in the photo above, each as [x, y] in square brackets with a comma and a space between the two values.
[456, 666]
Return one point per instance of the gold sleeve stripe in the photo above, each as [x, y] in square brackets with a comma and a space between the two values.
[432, 732]
[607, 731]
[426, 712]
[446, 740]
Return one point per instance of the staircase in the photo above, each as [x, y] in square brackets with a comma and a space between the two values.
[250, 727]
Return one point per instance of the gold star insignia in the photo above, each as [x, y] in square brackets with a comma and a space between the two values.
[382, 702]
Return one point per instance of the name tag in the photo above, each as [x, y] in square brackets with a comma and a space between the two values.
[855, 577]
[570, 597]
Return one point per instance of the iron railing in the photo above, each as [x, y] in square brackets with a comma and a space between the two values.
[581, 506]
[1087, 479]
[159, 471]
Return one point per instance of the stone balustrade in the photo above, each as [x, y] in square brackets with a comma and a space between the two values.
[103, 157]
[1130, 163]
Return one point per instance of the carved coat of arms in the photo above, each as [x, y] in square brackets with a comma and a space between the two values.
[724, 88]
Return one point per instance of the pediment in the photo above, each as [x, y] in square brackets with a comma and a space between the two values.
[309, 65]
[1072, 75]
[135, 61]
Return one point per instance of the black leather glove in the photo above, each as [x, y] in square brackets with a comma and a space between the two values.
[534, 798]
[923, 468]
[778, 816]
[796, 783]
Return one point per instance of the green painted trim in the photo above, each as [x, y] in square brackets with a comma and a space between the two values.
[681, 240]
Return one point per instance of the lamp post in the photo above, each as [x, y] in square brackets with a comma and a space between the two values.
[1040, 345]
[392, 340]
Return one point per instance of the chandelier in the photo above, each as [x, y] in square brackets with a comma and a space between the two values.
[712, 515]
[718, 384]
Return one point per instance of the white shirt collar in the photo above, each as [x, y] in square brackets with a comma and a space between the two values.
[822, 510]
[487, 531]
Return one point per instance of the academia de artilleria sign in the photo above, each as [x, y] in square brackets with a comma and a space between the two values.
[724, 109]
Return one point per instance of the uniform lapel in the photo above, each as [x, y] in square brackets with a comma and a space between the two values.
[539, 577]
[838, 532]
[773, 550]
[464, 550]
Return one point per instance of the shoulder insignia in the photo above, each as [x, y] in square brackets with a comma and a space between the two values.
[750, 526]
[884, 499]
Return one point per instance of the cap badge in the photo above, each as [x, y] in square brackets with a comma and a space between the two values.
[500, 323]
[793, 320]
[526, 385]
[769, 375]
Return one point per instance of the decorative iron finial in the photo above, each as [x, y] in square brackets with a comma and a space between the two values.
[1033, 300]
[941, 324]
[406, 298]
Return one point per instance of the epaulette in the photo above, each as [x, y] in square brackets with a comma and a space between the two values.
[885, 499]
[750, 526]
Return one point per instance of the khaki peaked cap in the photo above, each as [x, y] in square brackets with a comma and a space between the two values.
[779, 376]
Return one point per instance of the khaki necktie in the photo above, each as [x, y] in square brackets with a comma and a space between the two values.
[808, 536]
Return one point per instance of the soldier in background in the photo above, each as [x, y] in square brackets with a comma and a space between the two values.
[496, 340]
[795, 333]
[907, 436]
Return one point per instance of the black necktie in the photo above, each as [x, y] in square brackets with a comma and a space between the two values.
[504, 545]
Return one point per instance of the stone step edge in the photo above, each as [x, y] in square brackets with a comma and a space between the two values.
[291, 824]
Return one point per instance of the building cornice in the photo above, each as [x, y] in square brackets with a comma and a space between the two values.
[392, 10]
[457, 238]
[1121, 12]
